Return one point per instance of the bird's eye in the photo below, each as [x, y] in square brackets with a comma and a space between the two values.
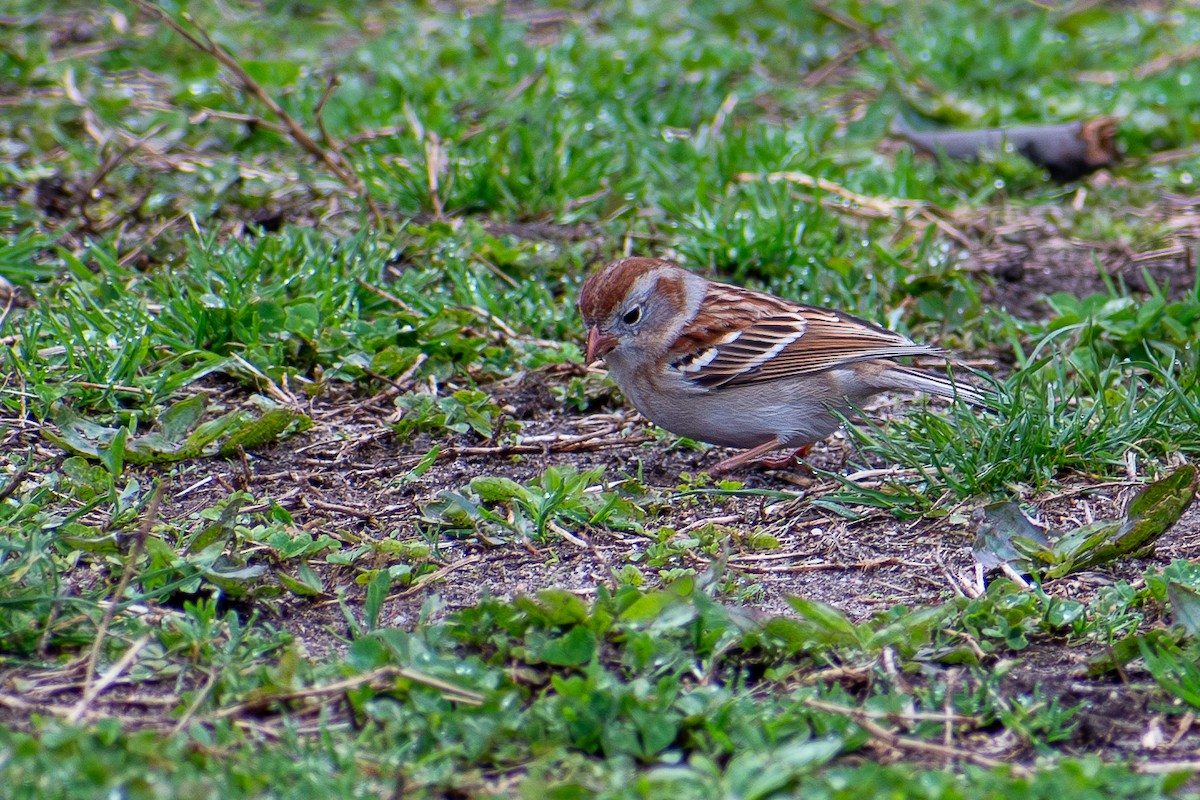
[632, 315]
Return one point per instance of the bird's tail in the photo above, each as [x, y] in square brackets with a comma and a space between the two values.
[940, 385]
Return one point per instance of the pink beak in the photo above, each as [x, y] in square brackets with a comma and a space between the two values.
[598, 345]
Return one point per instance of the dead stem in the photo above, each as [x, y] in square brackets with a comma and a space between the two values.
[131, 559]
[895, 741]
[331, 156]
[874, 207]
[380, 678]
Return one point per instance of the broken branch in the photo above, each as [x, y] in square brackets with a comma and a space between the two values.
[330, 156]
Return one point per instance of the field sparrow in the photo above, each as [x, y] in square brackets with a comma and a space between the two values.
[740, 368]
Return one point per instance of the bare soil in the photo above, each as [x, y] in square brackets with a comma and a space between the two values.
[342, 478]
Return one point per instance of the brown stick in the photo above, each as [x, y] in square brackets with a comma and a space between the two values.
[1068, 150]
[331, 157]
[8, 306]
[84, 196]
[821, 73]
[821, 566]
[319, 113]
[93, 690]
[433, 577]
[135, 552]
[882, 734]
[16, 480]
[877, 206]
[383, 676]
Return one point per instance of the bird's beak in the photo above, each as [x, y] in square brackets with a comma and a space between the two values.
[598, 345]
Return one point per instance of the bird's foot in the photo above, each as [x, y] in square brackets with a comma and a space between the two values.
[791, 460]
[757, 456]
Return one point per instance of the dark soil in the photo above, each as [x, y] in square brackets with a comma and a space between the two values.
[343, 478]
[1028, 258]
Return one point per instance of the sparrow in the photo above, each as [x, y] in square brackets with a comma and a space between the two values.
[739, 368]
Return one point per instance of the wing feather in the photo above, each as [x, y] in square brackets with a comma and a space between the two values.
[736, 340]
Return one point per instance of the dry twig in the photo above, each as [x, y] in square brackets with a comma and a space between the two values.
[424, 581]
[16, 480]
[875, 207]
[1167, 767]
[820, 566]
[896, 741]
[822, 73]
[84, 196]
[331, 156]
[135, 552]
[94, 690]
[378, 677]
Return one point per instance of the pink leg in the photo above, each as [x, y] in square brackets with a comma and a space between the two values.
[792, 459]
[757, 454]
[741, 458]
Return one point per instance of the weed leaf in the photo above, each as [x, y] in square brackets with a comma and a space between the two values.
[576, 648]
[1004, 535]
[1185, 602]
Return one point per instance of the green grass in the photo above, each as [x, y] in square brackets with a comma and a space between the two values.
[580, 695]
[196, 288]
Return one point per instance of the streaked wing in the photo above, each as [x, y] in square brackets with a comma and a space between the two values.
[737, 340]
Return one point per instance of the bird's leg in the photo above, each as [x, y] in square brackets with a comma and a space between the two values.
[758, 455]
[741, 458]
[790, 460]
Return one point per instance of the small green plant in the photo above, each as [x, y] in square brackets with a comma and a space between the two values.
[1005, 536]
[496, 506]
[178, 433]
[1174, 668]
[464, 410]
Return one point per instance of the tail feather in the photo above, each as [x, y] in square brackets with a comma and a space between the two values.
[940, 385]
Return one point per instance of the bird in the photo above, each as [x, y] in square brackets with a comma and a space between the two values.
[740, 368]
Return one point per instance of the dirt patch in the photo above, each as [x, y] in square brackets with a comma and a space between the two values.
[350, 478]
[1029, 257]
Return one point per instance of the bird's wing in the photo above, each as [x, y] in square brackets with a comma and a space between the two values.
[732, 342]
